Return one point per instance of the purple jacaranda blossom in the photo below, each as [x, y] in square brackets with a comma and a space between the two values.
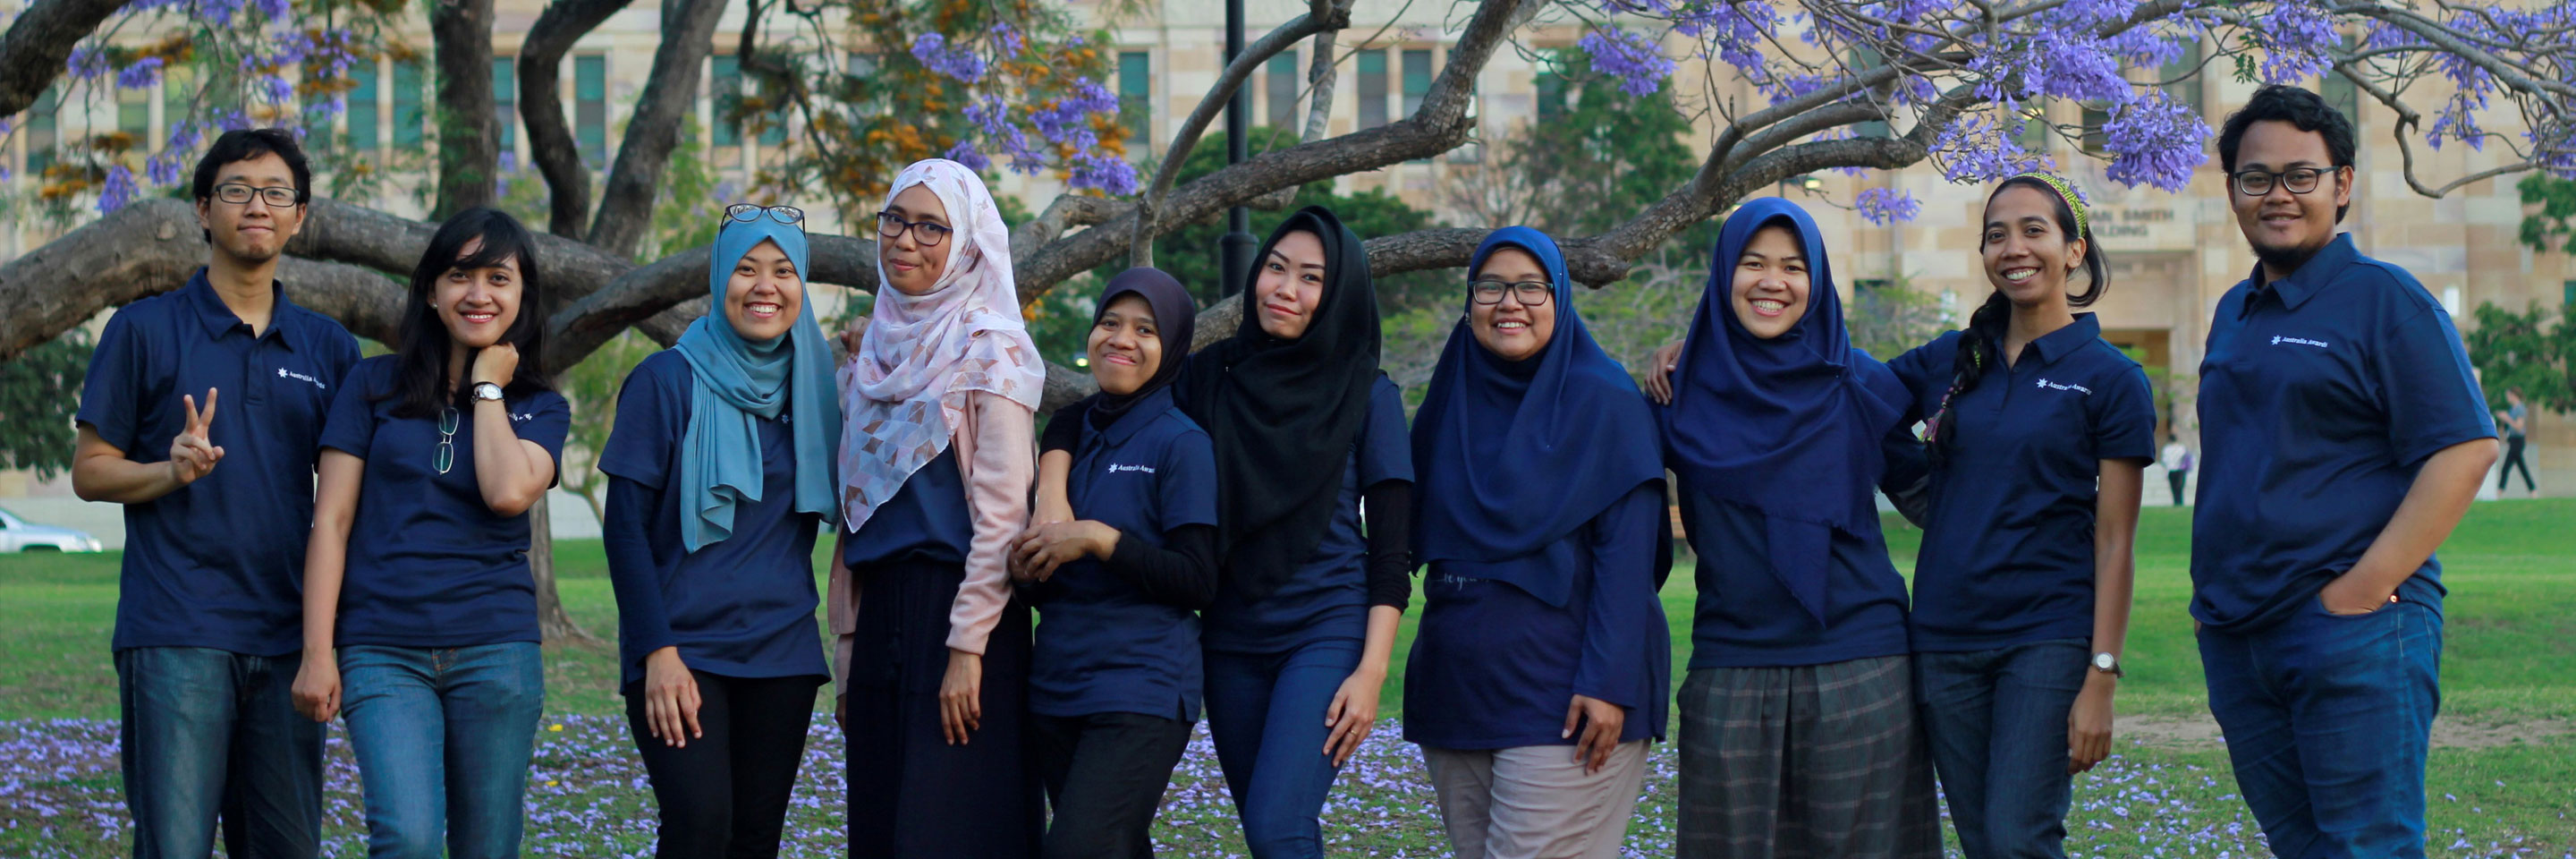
[118, 191]
[1103, 171]
[141, 75]
[964, 153]
[935, 54]
[1008, 38]
[2294, 36]
[2155, 141]
[1635, 59]
[274, 10]
[87, 62]
[1883, 206]
[276, 89]
[1981, 148]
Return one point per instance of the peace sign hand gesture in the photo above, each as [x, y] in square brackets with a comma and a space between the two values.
[192, 454]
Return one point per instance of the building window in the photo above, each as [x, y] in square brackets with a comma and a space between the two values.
[724, 97]
[44, 123]
[411, 122]
[2184, 86]
[1372, 89]
[1417, 79]
[1863, 60]
[2095, 141]
[1136, 99]
[505, 100]
[1283, 82]
[1551, 92]
[363, 133]
[134, 121]
[2034, 128]
[590, 108]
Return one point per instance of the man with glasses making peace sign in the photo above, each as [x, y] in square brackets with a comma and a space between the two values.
[2343, 439]
[200, 415]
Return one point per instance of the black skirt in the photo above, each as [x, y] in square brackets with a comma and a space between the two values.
[911, 793]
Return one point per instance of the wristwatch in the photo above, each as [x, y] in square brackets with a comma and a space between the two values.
[486, 391]
[2108, 664]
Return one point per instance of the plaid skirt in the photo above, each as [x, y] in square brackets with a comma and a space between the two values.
[1811, 761]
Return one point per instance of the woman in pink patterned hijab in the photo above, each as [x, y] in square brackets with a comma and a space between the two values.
[936, 462]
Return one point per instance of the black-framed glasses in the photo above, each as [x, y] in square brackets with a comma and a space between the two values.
[749, 212]
[445, 458]
[2299, 180]
[924, 233]
[276, 196]
[1532, 293]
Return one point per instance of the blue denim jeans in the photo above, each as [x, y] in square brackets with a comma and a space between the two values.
[210, 733]
[1266, 714]
[1997, 722]
[2328, 720]
[443, 738]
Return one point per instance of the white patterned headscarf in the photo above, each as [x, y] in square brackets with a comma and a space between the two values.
[905, 390]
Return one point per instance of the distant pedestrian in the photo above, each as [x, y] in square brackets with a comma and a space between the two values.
[2176, 459]
[2515, 420]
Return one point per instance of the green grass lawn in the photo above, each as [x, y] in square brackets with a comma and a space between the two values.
[2510, 634]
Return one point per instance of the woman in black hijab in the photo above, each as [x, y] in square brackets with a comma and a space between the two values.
[1297, 639]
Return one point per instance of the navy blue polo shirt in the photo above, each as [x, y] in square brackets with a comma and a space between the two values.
[1327, 598]
[429, 563]
[2007, 553]
[218, 563]
[2320, 396]
[927, 520]
[1102, 645]
[1495, 668]
[739, 607]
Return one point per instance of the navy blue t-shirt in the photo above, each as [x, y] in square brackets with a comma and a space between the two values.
[2320, 396]
[218, 563]
[739, 607]
[927, 520]
[1327, 598]
[2007, 553]
[429, 563]
[1495, 668]
[1103, 645]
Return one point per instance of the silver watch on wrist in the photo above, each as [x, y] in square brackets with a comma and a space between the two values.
[2108, 664]
[486, 391]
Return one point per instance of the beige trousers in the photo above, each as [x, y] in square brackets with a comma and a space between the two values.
[1536, 802]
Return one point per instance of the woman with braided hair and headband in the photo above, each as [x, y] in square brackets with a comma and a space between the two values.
[937, 457]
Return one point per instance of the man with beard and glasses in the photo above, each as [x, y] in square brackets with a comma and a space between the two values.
[2343, 438]
[209, 612]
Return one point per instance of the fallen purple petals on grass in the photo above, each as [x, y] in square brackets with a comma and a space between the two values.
[588, 796]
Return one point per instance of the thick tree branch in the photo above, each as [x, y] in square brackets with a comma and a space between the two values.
[656, 288]
[469, 137]
[39, 45]
[1140, 248]
[1068, 211]
[340, 232]
[626, 210]
[550, 138]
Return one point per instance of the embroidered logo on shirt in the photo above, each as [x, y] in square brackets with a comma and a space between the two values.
[2278, 340]
[283, 374]
[2044, 383]
[1114, 468]
[526, 417]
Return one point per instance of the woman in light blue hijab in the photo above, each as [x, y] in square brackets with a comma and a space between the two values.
[720, 473]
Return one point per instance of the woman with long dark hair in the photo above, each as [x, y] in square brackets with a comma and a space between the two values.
[1543, 665]
[720, 473]
[2038, 432]
[434, 454]
[1305, 429]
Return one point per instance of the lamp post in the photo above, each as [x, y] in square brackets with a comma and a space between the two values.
[1234, 252]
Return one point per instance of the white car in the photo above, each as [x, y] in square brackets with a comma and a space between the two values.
[19, 535]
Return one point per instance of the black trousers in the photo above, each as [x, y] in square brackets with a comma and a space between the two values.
[725, 794]
[912, 795]
[2513, 459]
[2176, 479]
[1104, 774]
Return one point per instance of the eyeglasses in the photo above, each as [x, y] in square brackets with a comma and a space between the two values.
[446, 456]
[277, 196]
[2256, 183]
[924, 233]
[1531, 293]
[749, 212]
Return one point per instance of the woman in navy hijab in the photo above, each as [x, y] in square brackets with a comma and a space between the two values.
[1543, 663]
[1798, 734]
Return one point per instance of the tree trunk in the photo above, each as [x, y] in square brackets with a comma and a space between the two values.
[39, 44]
[469, 140]
[626, 208]
[556, 626]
